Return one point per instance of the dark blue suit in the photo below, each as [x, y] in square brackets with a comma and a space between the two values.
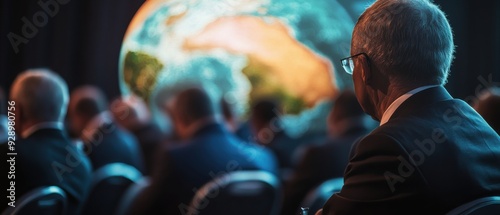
[185, 168]
[434, 154]
[111, 144]
[319, 163]
[48, 158]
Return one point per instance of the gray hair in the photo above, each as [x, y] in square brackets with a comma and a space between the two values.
[408, 40]
[42, 95]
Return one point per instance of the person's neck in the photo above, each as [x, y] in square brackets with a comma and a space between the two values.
[33, 125]
[26, 125]
[393, 93]
[192, 128]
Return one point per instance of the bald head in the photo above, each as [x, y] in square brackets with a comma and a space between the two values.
[41, 95]
[86, 102]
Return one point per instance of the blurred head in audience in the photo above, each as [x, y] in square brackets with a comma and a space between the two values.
[130, 112]
[396, 54]
[228, 114]
[3, 117]
[40, 96]
[190, 109]
[85, 103]
[488, 105]
[265, 113]
[346, 114]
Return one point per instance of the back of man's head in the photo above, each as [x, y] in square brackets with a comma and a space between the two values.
[346, 107]
[192, 105]
[265, 110]
[41, 94]
[88, 101]
[346, 115]
[410, 41]
[488, 105]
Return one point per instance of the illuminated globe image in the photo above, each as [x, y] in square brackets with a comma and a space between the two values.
[241, 50]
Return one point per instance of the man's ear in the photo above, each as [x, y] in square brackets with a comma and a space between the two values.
[366, 72]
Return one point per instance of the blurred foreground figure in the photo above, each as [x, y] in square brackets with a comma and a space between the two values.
[3, 116]
[206, 150]
[266, 127]
[104, 142]
[346, 123]
[488, 106]
[132, 114]
[45, 155]
[431, 152]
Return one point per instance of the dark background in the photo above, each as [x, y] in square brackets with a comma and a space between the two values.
[82, 42]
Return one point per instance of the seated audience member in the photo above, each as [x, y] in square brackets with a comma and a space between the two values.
[240, 129]
[267, 131]
[488, 106]
[346, 123]
[45, 156]
[104, 142]
[431, 152]
[132, 114]
[3, 117]
[228, 115]
[206, 150]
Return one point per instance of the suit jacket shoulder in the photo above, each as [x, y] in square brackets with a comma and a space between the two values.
[429, 158]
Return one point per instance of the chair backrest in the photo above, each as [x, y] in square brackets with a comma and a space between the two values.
[109, 183]
[131, 194]
[241, 192]
[50, 200]
[483, 206]
[316, 198]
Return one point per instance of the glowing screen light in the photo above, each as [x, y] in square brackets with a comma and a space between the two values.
[241, 50]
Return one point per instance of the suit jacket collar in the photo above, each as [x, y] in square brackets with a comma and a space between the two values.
[421, 100]
[48, 132]
[209, 128]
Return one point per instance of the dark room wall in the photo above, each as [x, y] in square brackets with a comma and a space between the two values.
[81, 40]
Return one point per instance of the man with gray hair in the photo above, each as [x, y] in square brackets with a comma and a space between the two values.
[45, 156]
[431, 152]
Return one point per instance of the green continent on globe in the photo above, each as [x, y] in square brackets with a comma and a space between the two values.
[262, 86]
[278, 65]
[141, 72]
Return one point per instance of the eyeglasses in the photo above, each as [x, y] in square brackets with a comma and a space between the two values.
[348, 63]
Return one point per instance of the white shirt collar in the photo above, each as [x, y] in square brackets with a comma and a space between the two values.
[53, 125]
[396, 103]
[95, 123]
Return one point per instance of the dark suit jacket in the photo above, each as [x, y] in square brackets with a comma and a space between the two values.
[48, 158]
[184, 169]
[319, 163]
[434, 154]
[111, 144]
[150, 138]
